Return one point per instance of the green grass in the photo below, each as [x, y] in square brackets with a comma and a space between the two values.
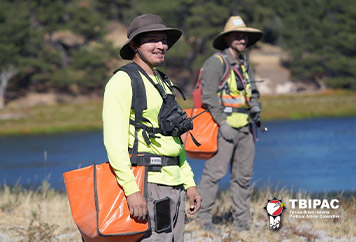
[52, 119]
[87, 116]
[304, 106]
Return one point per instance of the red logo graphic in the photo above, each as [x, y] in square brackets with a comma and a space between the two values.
[274, 210]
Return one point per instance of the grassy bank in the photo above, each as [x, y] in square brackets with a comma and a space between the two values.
[303, 106]
[51, 119]
[44, 215]
[87, 116]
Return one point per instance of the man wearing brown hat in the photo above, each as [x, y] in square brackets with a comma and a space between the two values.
[233, 106]
[134, 134]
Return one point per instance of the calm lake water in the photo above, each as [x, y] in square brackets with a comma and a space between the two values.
[317, 155]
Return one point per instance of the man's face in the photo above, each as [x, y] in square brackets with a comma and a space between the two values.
[153, 46]
[237, 41]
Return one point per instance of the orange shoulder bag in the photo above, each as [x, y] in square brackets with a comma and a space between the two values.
[99, 206]
[205, 131]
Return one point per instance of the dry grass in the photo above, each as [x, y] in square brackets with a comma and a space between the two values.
[292, 229]
[44, 215]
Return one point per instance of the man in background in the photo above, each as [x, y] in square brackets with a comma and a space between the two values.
[233, 107]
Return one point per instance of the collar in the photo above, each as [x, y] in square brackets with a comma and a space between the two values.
[231, 59]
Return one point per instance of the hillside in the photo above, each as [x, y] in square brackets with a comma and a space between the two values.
[266, 61]
[267, 65]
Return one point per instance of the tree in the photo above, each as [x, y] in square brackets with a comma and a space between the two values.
[5, 76]
[61, 43]
[53, 44]
[13, 33]
[72, 33]
[320, 38]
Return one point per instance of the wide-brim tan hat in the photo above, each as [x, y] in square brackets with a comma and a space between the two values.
[147, 23]
[236, 24]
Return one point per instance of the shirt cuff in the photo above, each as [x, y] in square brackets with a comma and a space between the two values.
[130, 188]
[189, 183]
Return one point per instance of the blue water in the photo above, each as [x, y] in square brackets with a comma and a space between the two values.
[316, 155]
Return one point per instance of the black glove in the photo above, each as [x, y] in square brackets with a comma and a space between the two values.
[255, 113]
[227, 132]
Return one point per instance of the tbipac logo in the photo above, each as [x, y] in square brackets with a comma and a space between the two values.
[314, 209]
[274, 210]
[302, 209]
[314, 203]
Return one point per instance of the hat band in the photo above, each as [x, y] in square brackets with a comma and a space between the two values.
[154, 27]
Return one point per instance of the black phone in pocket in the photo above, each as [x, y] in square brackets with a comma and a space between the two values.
[162, 215]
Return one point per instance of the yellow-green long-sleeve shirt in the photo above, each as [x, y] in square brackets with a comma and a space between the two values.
[119, 135]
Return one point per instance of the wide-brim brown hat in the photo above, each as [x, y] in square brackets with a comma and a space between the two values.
[147, 23]
[236, 24]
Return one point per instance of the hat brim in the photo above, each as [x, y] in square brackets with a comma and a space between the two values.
[253, 36]
[173, 36]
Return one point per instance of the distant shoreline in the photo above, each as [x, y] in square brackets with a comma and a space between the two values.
[86, 115]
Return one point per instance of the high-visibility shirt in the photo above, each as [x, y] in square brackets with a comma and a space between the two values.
[213, 70]
[236, 98]
[119, 135]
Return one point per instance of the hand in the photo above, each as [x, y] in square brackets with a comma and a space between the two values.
[138, 207]
[194, 200]
[227, 132]
[255, 113]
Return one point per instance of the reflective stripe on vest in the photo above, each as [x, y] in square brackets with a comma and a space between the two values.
[236, 98]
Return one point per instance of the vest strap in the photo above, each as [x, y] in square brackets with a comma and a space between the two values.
[229, 110]
[236, 110]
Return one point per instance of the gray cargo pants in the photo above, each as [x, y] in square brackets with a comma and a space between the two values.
[240, 154]
[177, 207]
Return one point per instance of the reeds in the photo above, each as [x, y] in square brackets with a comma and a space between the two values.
[292, 229]
[44, 215]
[40, 215]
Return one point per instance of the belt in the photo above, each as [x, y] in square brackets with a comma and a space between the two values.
[154, 162]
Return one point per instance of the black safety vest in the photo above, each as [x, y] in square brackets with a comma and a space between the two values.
[172, 119]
